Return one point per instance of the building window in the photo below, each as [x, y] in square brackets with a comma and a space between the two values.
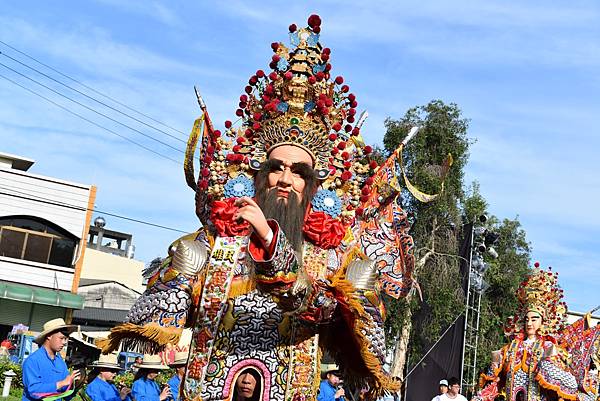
[30, 238]
[11, 243]
[37, 247]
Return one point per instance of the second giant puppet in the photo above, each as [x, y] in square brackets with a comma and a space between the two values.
[533, 366]
[302, 231]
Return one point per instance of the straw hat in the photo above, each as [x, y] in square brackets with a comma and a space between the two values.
[53, 326]
[106, 361]
[330, 368]
[151, 362]
[180, 359]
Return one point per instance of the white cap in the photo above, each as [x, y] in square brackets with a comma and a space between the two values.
[444, 382]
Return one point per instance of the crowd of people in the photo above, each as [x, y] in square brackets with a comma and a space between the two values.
[46, 375]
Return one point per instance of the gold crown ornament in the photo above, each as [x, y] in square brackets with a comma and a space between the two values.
[540, 293]
[298, 103]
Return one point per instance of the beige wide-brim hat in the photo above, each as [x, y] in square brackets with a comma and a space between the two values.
[106, 361]
[53, 326]
[181, 359]
[330, 368]
[151, 362]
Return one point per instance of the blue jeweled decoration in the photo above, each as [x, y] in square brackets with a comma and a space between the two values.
[294, 38]
[282, 64]
[318, 68]
[282, 107]
[309, 106]
[238, 187]
[313, 39]
[328, 202]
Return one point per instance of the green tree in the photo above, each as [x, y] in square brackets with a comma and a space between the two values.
[437, 231]
[436, 226]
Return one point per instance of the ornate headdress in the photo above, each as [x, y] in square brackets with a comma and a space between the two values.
[297, 103]
[540, 293]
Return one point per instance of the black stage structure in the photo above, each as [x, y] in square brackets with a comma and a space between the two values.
[445, 358]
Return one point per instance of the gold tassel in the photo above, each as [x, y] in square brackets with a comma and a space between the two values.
[148, 332]
[382, 382]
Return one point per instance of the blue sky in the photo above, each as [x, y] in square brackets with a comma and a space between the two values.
[525, 73]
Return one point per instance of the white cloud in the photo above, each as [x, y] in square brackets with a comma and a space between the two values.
[152, 9]
[93, 50]
[130, 181]
[467, 32]
[523, 178]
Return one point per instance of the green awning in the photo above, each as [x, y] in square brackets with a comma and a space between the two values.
[44, 296]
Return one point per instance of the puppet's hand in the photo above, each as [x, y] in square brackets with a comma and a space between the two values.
[251, 212]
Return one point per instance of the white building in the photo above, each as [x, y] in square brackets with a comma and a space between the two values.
[573, 316]
[44, 225]
[110, 256]
[106, 304]
[111, 279]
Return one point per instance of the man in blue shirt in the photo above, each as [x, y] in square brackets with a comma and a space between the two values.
[330, 388]
[175, 381]
[44, 371]
[144, 387]
[103, 373]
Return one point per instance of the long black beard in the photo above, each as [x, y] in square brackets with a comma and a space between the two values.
[289, 215]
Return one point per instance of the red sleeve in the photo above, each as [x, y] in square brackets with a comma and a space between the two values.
[257, 246]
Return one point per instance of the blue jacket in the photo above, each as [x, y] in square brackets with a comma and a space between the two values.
[41, 373]
[327, 392]
[145, 390]
[99, 390]
[174, 382]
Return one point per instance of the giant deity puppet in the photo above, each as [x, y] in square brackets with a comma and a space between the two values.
[545, 360]
[582, 341]
[302, 231]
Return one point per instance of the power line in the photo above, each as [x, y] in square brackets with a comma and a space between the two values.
[82, 209]
[92, 89]
[45, 200]
[139, 221]
[91, 109]
[91, 98]
[90, 121]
